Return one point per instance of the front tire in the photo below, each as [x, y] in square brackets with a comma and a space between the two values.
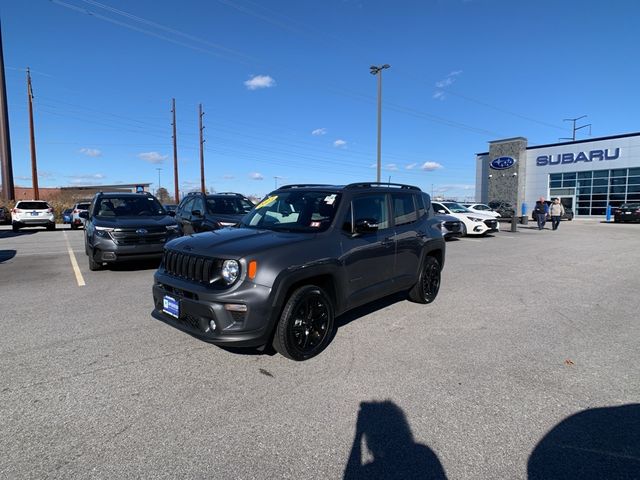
[464, 230]
[426, 288]
[93, 265]
[306, 324]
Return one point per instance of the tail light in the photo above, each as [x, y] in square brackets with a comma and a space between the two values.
[76, 211]
[16, 210]
[50, 210]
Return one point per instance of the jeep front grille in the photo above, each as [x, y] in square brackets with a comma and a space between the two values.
[191, 267]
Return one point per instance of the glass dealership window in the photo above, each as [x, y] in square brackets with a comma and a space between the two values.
[597, 189]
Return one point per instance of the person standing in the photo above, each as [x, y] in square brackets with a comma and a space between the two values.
[556, 211]
[541, 210]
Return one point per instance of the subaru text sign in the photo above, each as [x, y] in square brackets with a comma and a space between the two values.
[587, 156]
[502, 163]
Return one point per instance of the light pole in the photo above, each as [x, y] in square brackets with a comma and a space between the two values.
[374, 70]
[158, 189]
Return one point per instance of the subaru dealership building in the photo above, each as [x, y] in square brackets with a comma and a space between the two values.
[587, 175]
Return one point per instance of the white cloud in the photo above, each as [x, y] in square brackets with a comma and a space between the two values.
[319, 131]
[373, 165]
[411, 166]
[229, 177]
[430, 166]
[256, 176]
[91, 152]
[260, 81]
[444, 83]
[456, 186]
[340, 143]
[86, 179]
[152, 157]
[392, 167]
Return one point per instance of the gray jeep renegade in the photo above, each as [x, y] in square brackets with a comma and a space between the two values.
[304, 255]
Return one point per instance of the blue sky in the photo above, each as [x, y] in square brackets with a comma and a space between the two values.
[287, 93]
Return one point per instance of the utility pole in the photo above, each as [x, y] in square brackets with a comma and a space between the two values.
[201, 114]
[374, 70]
[175, 152]
[8, 190]
[159, 185]
[575, 129]
[32, 140]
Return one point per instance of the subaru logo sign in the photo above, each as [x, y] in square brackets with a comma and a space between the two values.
[141, 231]
[502, 163]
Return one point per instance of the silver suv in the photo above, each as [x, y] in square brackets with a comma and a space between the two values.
[32, 213]
[76, 219]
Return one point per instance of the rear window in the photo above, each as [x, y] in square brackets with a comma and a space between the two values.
[83, 206]
[33, 205]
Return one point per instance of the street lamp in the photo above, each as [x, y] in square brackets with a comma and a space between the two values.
[374, 70]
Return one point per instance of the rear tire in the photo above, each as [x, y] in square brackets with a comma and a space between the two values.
[15, 227]
[306, 325]
[73, 226]
[426, 288]
[93, 265]
[51, 227]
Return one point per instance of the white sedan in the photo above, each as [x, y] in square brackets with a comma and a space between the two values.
[472, 223]
[481, 208]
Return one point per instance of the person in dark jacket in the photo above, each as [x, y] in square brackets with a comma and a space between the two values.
[541, 210]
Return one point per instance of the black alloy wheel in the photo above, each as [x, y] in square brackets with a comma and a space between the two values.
[426, 288]
[306, 324]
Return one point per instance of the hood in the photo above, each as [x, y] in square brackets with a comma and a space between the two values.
[236, 242]
[134, 222]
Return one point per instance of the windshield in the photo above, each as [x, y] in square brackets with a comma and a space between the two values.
[294, 212]
[132, 206]
[455, 207]
[229, 205]
[630, 205]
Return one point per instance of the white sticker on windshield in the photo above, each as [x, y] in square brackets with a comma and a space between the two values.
[330, 199]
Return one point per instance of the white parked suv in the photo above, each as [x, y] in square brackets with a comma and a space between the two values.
[32, 213]
[472, 223]
[481, 208]
[76, 219]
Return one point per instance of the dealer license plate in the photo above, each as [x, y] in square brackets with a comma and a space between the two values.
[34, 214]
[171, 306]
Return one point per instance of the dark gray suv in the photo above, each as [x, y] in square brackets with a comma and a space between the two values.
[302, 256]
[125, 226]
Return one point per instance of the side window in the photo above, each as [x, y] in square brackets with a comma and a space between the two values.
[404, 210]
[198, 204]
[372, 207]
[185, 208]
[347, 223]
[423, 207]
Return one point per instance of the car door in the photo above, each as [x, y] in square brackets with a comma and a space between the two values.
[196, 218]
[182, 216]
[368, 257]
[408, 237]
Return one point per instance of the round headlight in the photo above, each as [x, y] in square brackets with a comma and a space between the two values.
[230, 271]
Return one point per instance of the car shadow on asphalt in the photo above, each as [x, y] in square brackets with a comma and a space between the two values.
[392, 453]
[133, 266]
[11, 233]
[7, 255]
[590, 445]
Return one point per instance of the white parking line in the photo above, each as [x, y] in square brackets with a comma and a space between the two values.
[74, 263]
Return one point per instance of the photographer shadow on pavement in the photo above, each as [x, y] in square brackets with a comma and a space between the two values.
[595, 444]
[385, 431]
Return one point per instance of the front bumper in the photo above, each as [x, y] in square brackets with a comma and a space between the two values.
[35, 221]
[205, 314]
[107, 250]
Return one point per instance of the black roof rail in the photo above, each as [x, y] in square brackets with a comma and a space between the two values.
[302, 185]
[380, 184]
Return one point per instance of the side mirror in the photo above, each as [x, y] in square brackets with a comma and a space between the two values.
[196, 213]
[171, 213]
[366, 225]
[84, 215]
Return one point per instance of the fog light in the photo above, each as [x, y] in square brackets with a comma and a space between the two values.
[212, 325]
[106, 256]
[235, 307]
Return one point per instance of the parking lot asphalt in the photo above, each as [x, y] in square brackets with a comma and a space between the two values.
[520, 361]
